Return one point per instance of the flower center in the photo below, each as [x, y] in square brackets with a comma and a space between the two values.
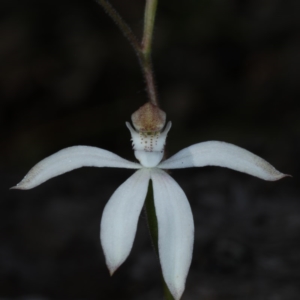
[149, 146]
[149, 141]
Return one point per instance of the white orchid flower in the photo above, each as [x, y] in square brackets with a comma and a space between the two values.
[174, 215]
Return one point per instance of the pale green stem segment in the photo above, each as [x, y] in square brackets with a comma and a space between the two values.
[153, 229]
[149, 18]
[143, 49]
[151, 217]
[167, 294]
[150, 12]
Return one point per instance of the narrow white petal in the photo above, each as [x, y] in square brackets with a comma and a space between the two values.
[175, 230]
[69, 159]
[214, 153]
[120, 218]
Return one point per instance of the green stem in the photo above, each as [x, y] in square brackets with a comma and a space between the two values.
[167, 294]
[143, 49]
[153, 229]
[151, 217]
[150, 11]
[146, 47]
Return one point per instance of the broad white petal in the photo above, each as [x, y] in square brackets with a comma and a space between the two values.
[214, 153]
[69, 159]
[175, 230]
[120, 218]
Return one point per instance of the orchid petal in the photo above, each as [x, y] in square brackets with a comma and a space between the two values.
[214, 153]
[175, 230]
[120, 218]
[69, 159]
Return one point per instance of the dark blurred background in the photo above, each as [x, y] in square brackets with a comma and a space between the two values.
[225, 70]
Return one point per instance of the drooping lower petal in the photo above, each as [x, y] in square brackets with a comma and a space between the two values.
[175, 230]
[120, 218]
[214, 153]
[69, 159]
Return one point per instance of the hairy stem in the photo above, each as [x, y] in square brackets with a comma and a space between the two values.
[150, 82]
[143, 49]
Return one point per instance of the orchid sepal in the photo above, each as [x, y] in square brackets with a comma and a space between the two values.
[215, 153]
[120, 218]
[175, 230]
[69, 159]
